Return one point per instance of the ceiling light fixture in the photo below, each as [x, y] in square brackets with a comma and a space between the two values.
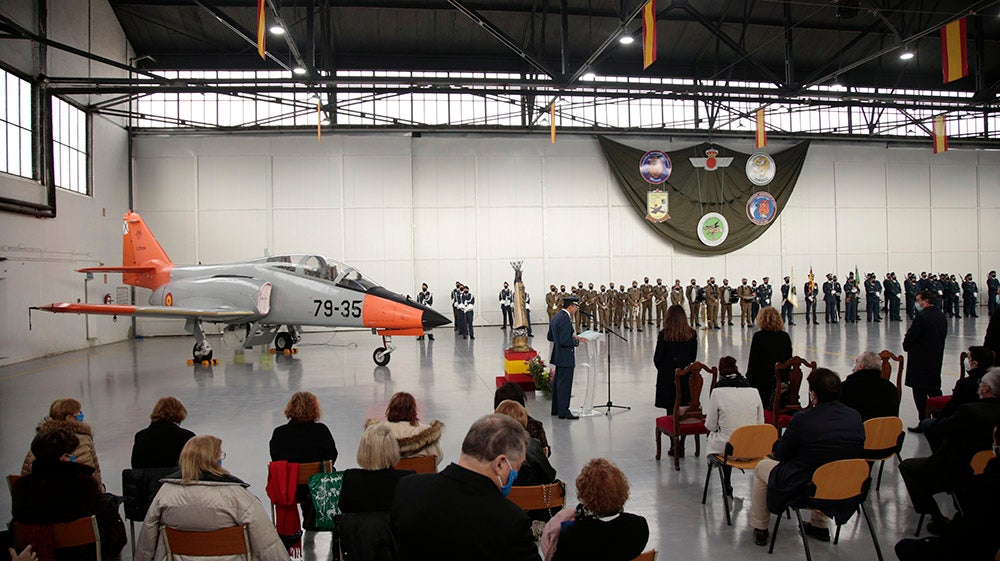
[298, 70]
[277, 29]
[626, 40]
[589, 76]
[906, 55]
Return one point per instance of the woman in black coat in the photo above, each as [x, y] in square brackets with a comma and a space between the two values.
[769, 346]
[676, 347]
[159, 445]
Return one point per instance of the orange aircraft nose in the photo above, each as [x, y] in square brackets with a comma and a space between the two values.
[383, 309]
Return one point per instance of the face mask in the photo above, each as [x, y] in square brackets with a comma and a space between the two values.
[72, 457]
[916, 308]
[505, 489]
[968, 364]
[79, 416]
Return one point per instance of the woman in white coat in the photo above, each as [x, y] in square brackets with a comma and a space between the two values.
[734, 403]
[206, 497]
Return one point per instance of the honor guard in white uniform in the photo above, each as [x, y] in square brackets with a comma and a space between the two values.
[467, 302]
[459, 318]
[425, 298]
[507, 306]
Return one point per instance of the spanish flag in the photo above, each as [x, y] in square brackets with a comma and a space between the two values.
[761, 131]
[261, 23]
[954, 53]
[648, 34]
[940, 134]
[552, 121]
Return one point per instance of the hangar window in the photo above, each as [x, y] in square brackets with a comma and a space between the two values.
[69, 146]
[15, 126]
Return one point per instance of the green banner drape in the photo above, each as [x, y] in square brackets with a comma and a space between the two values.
[694, 191]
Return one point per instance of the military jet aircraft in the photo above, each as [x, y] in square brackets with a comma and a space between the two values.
[257, 298]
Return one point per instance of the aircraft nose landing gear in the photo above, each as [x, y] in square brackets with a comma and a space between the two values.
[382, 354]
[201, 353]
[285, 341]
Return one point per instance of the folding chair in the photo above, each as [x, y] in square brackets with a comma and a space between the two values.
[536, 497]
[234, 540]
[883, 440]
[746, 448]
[79, 532]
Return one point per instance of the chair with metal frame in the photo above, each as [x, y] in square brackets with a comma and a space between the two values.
[79, 532]
[842, 483]
[234, 540]
[883, 440]
[306, 471]
[419, 464]
[537, 497]
[747, 446]
[687, 420]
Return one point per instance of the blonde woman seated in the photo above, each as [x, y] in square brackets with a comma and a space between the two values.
[414, 438]
[366, 498]
[734, 403]
[598, 529]
[67, 413]
[207, 497]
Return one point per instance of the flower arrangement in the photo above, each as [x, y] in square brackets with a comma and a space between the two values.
[540, 374]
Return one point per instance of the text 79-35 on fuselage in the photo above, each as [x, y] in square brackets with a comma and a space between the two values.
[256, 298]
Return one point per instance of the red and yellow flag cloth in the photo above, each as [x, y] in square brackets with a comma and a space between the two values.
[761, 131]
[261, 23]
[648, 34]
[940, 134]
[954, 52]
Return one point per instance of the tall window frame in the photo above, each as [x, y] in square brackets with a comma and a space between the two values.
[70, 147]
[17, 146]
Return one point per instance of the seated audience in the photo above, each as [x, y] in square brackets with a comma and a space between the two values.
[954, 440]
[68, 413]
[734, 403]
[159, 444]
[768, 347]
[512, 391]
[826, 432]
[867, 392]
[303, 440]
[60, 489]
[462, 512]
[676, 347]
[414, 438]
[599, 528]
[966, 389]
[366, 498]
[204, 496]
[536, 469]
[973, 530]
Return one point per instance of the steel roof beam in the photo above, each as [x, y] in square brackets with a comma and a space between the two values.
[505, 39]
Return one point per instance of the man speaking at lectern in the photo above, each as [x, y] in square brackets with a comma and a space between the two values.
[564, 343]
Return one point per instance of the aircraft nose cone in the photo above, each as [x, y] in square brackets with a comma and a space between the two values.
[432, 319]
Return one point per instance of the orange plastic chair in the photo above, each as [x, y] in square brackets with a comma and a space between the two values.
[82, 531]
[234, 540]
[647, 556]
[883, 440]
[536, 497]
[747, 446]
[419, 464]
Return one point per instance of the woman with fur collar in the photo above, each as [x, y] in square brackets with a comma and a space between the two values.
[68, 413]
[414, 438]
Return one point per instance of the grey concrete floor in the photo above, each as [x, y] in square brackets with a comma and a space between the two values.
[242, 399]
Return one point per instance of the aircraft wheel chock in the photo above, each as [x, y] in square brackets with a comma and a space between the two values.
[283, 342]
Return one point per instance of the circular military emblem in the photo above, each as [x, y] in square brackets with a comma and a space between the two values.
[761, 208]
[655, 167]
[168, 300]
[713, 229]
[760, 168]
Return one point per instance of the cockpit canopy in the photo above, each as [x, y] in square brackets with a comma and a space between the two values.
[326, 268]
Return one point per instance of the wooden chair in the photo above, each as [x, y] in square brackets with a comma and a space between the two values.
[781, 415]
[419, 464]
[843, 481]
[887, 357]
[980, 460]
[306, 471]
[537, 497]
[647, 556]
[747, 446]
[79, 532]
[687, 420]
[883, 440]
[234, 540]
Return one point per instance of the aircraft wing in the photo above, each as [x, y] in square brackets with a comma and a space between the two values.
[208, 314]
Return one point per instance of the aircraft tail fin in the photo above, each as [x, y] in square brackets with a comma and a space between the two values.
[144, 263]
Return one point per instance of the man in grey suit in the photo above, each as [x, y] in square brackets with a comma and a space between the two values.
[564, 343]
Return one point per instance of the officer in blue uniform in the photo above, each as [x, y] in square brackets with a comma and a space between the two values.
[873, 289]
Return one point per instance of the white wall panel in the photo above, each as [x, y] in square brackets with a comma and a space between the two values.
[989, 186]
[860, 184]
[576, 232]
[909, 229]
[908, 185]
[509, 181]
[908, 262]
[989, 228]
[232, 182]
[564, 183]
[177, 233]
[953, 186]
[815, 188]
[953, 229]
[808, 230]
[861, 229]
[167, 183]
[958, 263]
[308, 231]
[306, 182]
[231, 235]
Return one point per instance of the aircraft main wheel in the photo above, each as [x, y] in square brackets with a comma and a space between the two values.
[200, 354]
[381, 357]
[283, 342]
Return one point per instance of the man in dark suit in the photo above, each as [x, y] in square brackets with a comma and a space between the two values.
[956, 439]
[462, 512]
[924, 345]
[564, 343]
[829, 301]
[867, 392]
[826, 432]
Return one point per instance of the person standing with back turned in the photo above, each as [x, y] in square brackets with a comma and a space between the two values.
[924, 345]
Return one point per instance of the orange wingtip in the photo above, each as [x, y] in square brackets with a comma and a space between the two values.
[122, 269]
[106, 309]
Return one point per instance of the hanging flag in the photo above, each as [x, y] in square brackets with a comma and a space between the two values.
[261, 23]
[552, 121]
[940, 134]
[761, 131]
[648, 34]
[954, 52]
